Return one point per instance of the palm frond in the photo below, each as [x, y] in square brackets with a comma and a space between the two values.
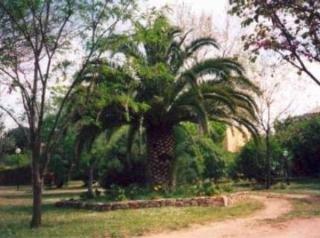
[221, 68]
[200, 43]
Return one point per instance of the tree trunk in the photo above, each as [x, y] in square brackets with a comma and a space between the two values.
[75, 160]
[268, 157]
[69, 173]
[36, 187]
[160, 148]
[90, 181]
[287, 170]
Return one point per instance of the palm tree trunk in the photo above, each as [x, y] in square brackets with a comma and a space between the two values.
[160, 149]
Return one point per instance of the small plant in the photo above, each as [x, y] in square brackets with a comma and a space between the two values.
[226, 187]
[205, 188]
[133, 191]
[116, 193]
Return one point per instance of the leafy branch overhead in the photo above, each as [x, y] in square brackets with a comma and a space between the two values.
[289, 28]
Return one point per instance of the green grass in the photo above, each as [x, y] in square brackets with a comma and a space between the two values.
[15, 210]
[304, 208]
[297, 186]
[305, 186]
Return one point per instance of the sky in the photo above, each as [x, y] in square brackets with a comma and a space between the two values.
[214, 6]
[301, 90]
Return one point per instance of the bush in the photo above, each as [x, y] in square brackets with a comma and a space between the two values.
[302, 139]
[206, 188]
[251, 162]
[116, 193]
[214, 164]
[226, 187]
[199, 157]
[123, 172]
[58, 166]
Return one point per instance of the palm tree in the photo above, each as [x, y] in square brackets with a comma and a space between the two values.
[163, 85]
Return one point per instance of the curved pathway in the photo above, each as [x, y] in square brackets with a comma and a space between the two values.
[253, 226]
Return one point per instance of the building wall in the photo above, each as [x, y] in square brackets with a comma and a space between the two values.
[235, 139]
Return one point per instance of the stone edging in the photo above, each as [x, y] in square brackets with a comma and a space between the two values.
[217, 201]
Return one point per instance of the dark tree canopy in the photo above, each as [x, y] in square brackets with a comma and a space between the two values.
[301, 137]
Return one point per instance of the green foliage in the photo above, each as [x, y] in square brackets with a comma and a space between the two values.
[116, 193]
[251, 162]
[41, 32]
[16, 160]
[106, 151]
[218, 132]
[198, 156]
[19, 136]
[284, 27]
[138, 192]
[302, 139]
[11, 141]
[63, 154]
[121, 169]
[205, 188]
[8, 146]
[152, 87]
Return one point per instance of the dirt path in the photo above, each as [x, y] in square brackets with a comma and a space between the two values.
[254, 226]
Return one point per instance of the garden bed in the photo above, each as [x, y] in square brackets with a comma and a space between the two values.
[216, 201]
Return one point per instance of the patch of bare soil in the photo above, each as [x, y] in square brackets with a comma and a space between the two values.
[254, 226]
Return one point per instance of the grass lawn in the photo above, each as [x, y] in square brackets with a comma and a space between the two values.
[304, 208]
[15, 210]
[303, 186]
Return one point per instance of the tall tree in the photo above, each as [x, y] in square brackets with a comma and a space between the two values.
[268, 110]
[167, 86]
[287, 27]
[38, 39]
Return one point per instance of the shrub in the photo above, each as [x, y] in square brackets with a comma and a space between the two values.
[226, 187]
[205, 188]
[116, 193]
[199, 157]
[302, 139]
[251, 162]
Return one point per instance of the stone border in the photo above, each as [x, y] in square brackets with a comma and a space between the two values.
[217, 201]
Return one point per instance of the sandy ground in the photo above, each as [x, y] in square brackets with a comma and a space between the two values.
[254, 226]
